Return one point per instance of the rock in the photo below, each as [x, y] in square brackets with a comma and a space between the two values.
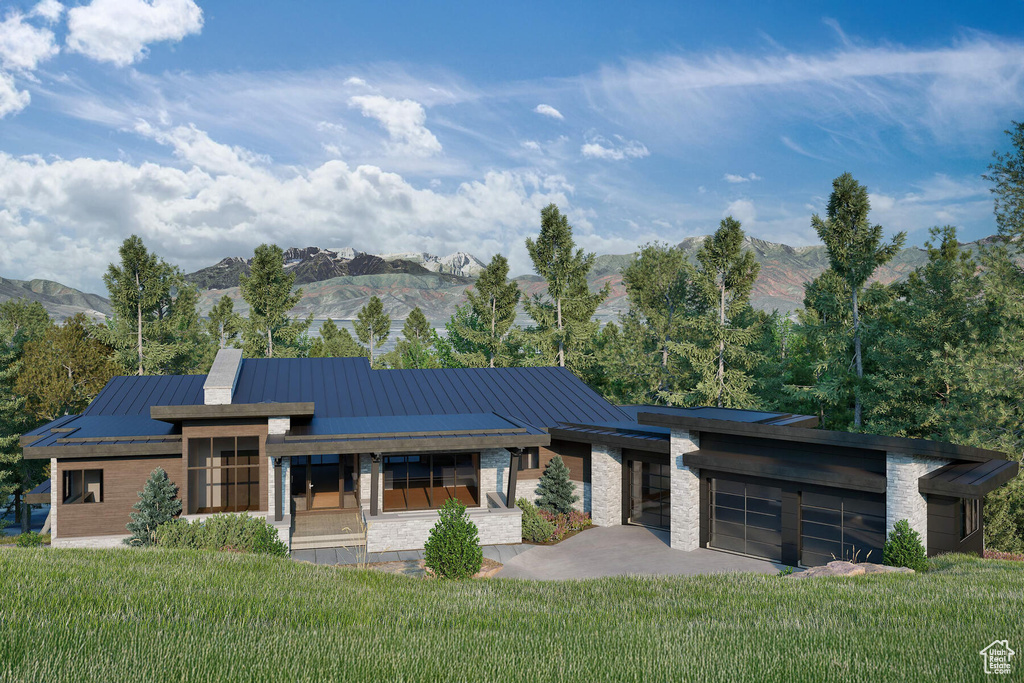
[842, 568]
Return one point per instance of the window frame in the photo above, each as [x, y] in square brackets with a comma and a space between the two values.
[68, 476]
[970, 517]
[530, 459]
[230, 470]
[427, 463]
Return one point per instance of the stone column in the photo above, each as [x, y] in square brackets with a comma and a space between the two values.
[55, 484]
[606, 485]
[494, 464]
[684, 527]
[903, 498]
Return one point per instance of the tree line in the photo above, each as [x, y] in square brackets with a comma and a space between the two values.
[939, 354]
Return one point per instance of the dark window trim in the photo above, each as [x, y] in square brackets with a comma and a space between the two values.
[67, 481]
[474, 458]
[230, 482]
[970, 516]
[530, 459]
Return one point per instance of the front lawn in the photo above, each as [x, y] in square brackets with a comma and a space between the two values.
[108, 615]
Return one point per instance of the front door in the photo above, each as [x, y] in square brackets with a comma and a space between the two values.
[324, 482]
[649, 494]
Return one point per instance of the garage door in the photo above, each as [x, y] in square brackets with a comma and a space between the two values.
[746, 518]
[840, 527]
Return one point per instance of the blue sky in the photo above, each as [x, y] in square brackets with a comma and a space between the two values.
[209, 127]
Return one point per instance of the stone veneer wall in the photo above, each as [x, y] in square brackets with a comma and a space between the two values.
[903, 498]
[410, 530]
[54, 488]
[606, 485]
[494, 464]
[684, 530]
[527, 488]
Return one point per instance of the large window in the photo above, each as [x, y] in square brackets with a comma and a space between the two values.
[424, 482]
[83, 486]
[530, 459]
[970, 516]
[223, 474]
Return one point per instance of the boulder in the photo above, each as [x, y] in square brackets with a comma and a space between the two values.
[842, 568]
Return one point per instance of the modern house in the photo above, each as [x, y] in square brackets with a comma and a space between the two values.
[333, 452]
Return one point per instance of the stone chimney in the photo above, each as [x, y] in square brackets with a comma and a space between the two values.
[220, 382]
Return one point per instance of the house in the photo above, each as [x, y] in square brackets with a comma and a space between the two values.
[332, 452]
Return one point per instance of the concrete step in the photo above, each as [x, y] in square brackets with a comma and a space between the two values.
[332, 541]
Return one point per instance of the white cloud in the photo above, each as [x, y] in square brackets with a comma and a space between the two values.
[548, 110]
[51, 10]
[403, 120]
[118, 31]
[531, 145]
[602, 148]
[12, 100]
[939, 200]
[742, 210]
[355, 81]
[22, 45]
[733, 178]
[196, 147]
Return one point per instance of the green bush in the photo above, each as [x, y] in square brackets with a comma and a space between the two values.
[223, 532]
[29, 540]
[453, 549]
[903, 548]
[556, 492]
[536, 529]
[157, 504]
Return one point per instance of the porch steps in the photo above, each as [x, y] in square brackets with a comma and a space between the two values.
[328, 541]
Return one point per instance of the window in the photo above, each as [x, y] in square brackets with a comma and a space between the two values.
[83, 486]
[425, 482]
[530, 459]
[970, 516]
[223, 474]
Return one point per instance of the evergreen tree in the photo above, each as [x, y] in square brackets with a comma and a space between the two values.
[415, 350]
[416, 328]
[494, 301]
[721, 350]
[1006, 174]
[223, 324]
[158, 503]
[26, 320]
[659, 284]
[564, 316]
[184, 337]
[373, 325]
[335, 342]
[13, 422]
[461, 347]
[64, 370]
[855, 251]
[268, 291]
[555, 492]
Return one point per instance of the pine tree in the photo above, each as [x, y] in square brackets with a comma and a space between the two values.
[223, 324]
[564, 316]
[494, 301]
[373, 325]
[158, 503]
[13, 420]
[415, 350]
[855, 251]
[555, 492]
[461, 347]
[416, 328]
[335, 342]
[1006, 174]
[268, 291]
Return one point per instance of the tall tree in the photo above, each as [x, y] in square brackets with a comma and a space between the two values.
[268, 291]
[1006, 173]
[494, 300]
[373, 325]
[565, 314]
[335, 342]
[138, 289]
[64, 370]
[223, 324]
[416, 327]
[855, 251]
[26, 320]
[659, 283]
[14, 421]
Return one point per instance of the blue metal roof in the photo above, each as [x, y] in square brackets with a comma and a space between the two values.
[103, 427]
[136, 394]
[709, 413]
[405, 424]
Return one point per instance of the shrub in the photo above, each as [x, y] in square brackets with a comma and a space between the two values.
[158, 504]
[223, 532]
[536, 529]
[903, 548]
[555, 493]
[453, 549]
[29, 540]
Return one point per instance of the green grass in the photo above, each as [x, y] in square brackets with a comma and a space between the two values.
[10, 539]
[112, 615]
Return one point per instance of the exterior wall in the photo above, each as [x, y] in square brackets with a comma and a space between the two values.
[606, 480]
[272, 485]
[410, 530]
[53, 499]
[903, 499]
[123, 478]
[945, 520]
[279, 425]
[684, 530]
[494, 464]
[364, 482]
[573, 454]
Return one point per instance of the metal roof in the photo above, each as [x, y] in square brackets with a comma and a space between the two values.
[84, 429]
[135, 395]
[710, 413]
[404, 424]
[969, 479]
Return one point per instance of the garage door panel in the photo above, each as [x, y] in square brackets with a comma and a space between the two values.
[746, 518]
[771, 552]
[730, 515]
[736, 545]
[766, 492]
[823, 547]
[729, 529]
[838, 527]
[809, 559]
[824, 531]
[764, 507]
[773, 522]
[729, 500]
[865, 539]
[728, 486]
[764, 536]
[818, 515]
[866, 522]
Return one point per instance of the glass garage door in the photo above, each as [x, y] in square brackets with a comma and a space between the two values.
[840, 528]
[746, 518]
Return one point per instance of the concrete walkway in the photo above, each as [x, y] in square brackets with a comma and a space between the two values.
[355, 555]
[624, 550]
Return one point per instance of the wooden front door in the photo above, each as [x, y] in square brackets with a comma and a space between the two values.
[324, 482]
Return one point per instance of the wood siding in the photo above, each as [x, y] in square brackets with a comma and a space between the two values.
[123, 478]
[795, 452]
[944, 524]
[576, 457]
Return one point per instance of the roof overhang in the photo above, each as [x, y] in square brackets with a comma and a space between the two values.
[619, 438]
[968, 479]
[836, 476]
[278, 446]
[230, 410]
[106, 449]
[925, 447]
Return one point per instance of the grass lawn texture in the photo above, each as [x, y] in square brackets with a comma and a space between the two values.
[111, 615]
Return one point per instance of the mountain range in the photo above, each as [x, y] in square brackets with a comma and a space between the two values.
[337, 282]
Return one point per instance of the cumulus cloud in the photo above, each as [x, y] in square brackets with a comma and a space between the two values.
[736, 179]
[602, 148]
[403, 120]
[548, 110]
[742, 210]
[51, 10]
[12, 100]
[118, 31]
[22, 45]
[355, 81]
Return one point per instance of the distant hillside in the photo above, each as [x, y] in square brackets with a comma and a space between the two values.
[60, 301]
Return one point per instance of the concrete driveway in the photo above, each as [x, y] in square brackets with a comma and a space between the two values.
[624, 550]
